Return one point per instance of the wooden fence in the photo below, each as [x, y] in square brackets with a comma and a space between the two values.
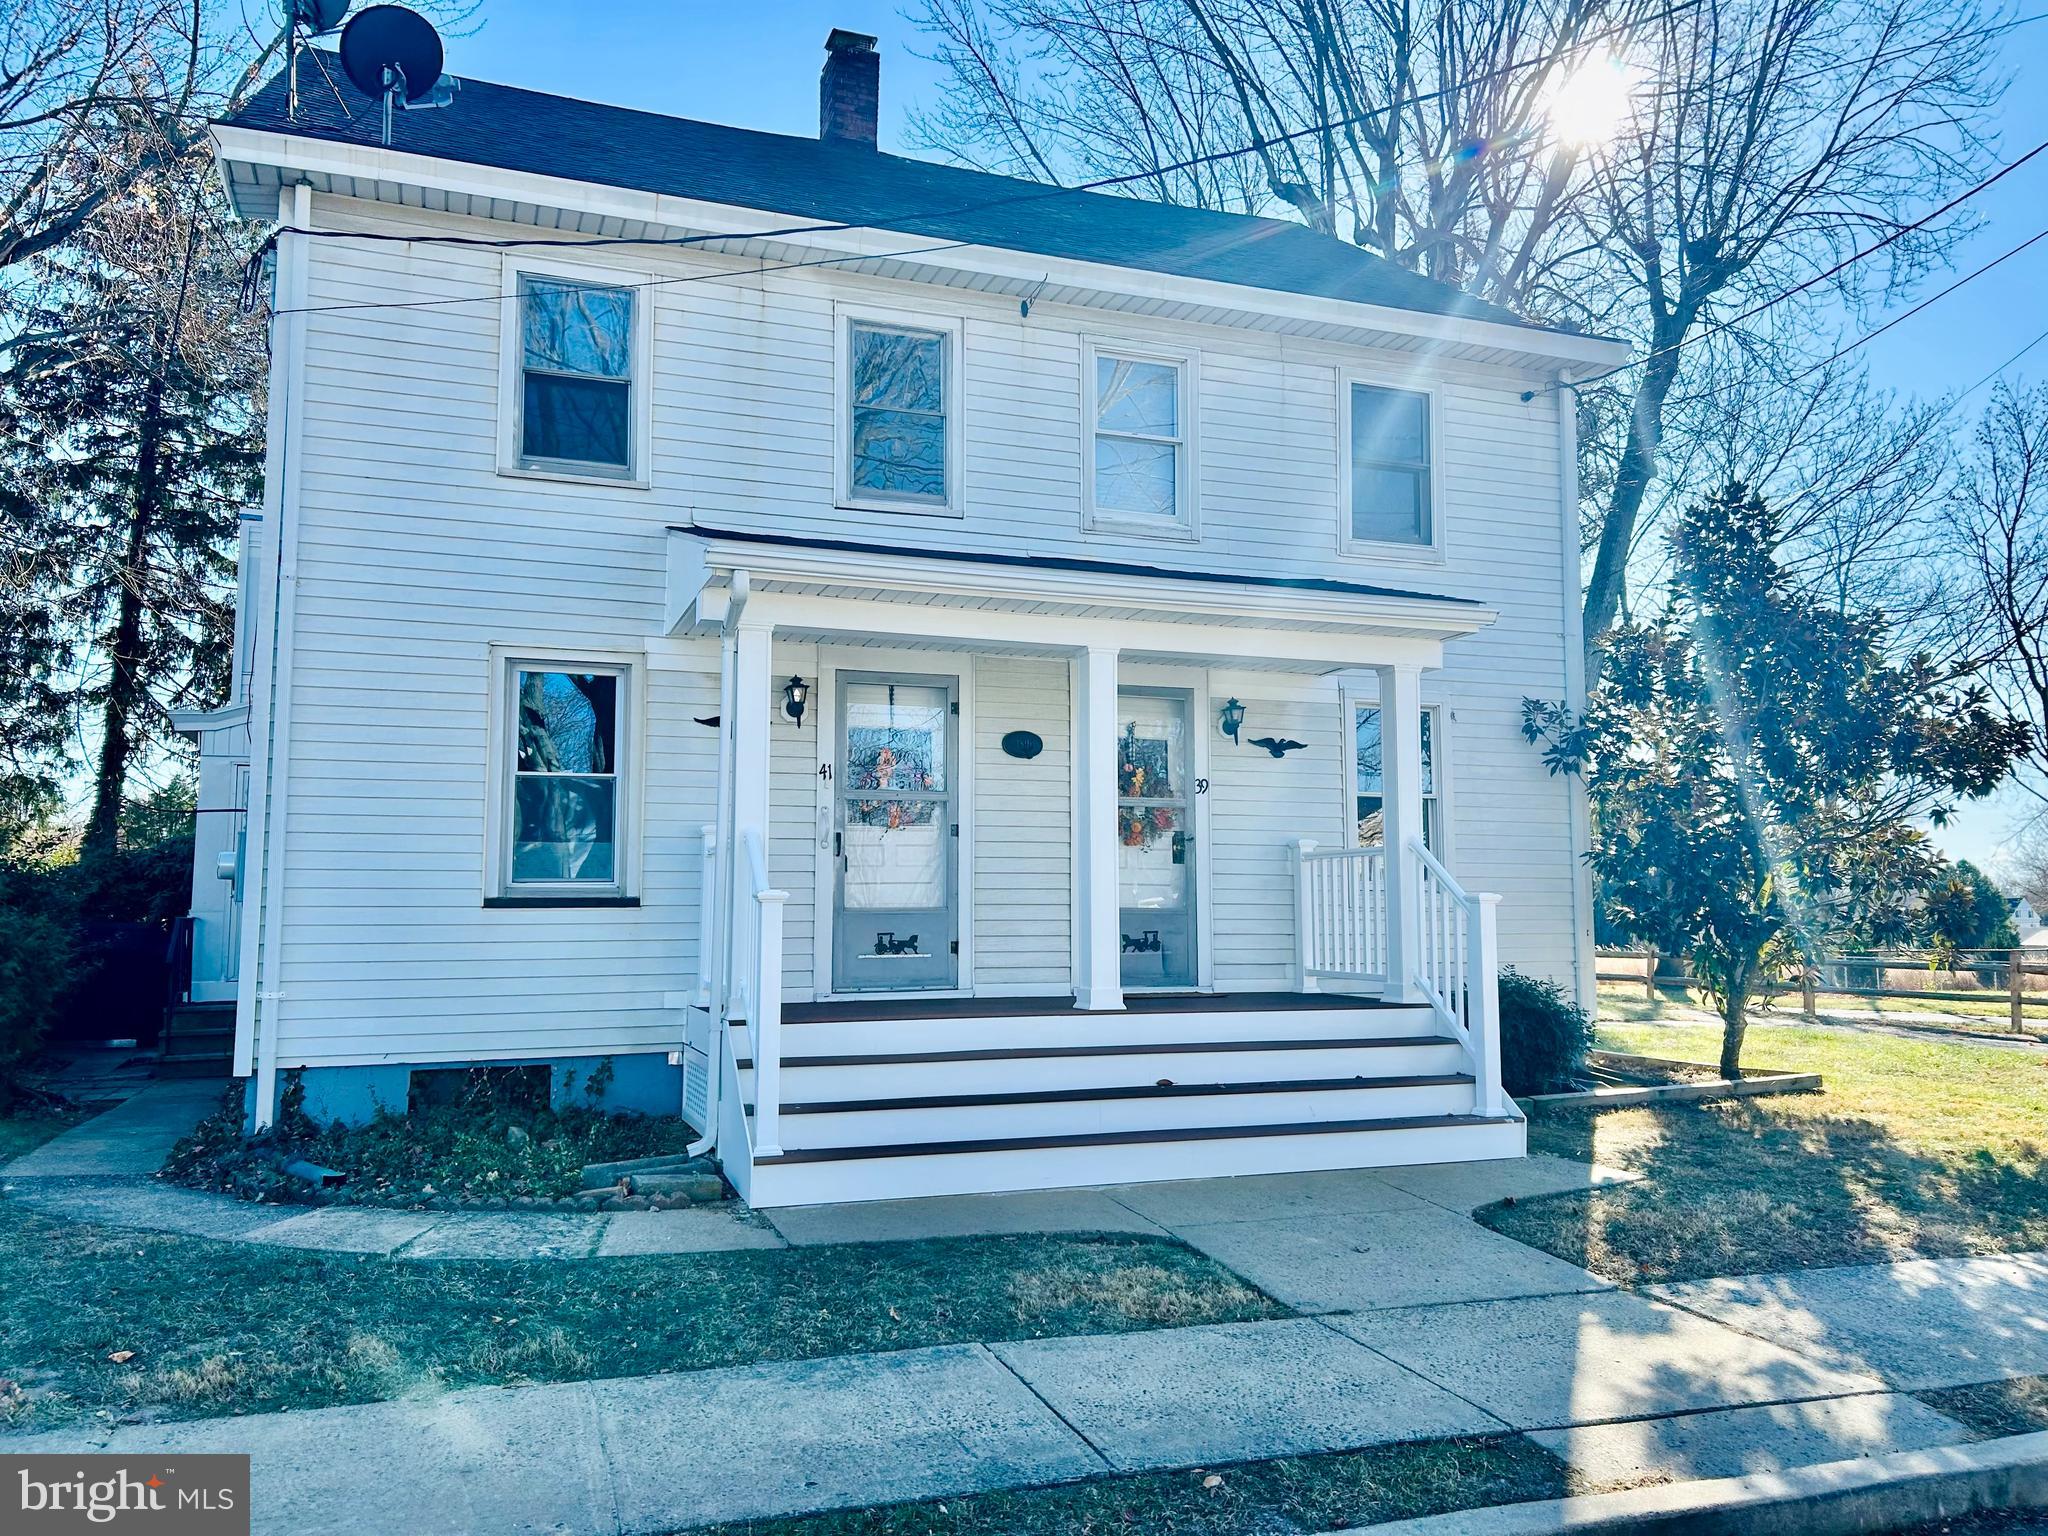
[2018, 977]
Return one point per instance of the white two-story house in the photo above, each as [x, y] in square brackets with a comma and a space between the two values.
[946, 683]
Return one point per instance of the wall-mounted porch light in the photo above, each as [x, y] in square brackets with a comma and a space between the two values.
[796, 694]
[1231, 718]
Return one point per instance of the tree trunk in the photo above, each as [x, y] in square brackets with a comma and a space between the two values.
[1734, 1024]
[126, 689]
[1632, 479]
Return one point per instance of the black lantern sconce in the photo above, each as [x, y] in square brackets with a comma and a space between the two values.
[1231, 719]
[796, 695]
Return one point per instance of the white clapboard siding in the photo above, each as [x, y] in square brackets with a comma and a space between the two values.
[1023, 856]
[1257, 805]
[416, 556]
[793, 756]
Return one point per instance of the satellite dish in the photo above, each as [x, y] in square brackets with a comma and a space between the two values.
[390, 50]
[318, 15]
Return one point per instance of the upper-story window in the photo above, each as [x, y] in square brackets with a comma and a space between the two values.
[1139, 470]
[574, 372]
[900, 394]
[1390, 492]
[576, 375]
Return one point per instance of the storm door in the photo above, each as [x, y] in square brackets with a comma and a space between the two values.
[896, 835]
[1155, 837]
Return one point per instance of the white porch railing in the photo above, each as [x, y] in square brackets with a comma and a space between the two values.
[1340, 903]
[756, 993]
[1345, 931]
[1458, 968]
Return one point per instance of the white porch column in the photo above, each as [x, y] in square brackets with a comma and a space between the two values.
[1098, 958]
[749, 726]
[1401, 817]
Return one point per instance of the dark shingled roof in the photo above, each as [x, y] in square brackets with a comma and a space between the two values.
[518, 130]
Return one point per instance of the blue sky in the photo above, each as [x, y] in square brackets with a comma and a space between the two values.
[757, 66]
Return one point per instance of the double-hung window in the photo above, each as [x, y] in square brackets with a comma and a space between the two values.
[576, 384]
[565, 734]
[1390, 475]
[1139, 471]
[901, 398]
[1369, 783]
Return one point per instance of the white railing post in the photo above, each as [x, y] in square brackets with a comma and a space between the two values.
[1305, 915]
[764, 1021]
[1482, 980]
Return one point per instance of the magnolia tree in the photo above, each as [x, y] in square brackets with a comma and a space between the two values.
[1757, 764]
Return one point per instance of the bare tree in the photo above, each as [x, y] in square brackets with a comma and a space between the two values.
[1766, 142]
[95, 94]
[1997, 543]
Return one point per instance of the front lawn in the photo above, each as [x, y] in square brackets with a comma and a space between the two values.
[220, 1328]
[1916, 1147]
[30, 1126]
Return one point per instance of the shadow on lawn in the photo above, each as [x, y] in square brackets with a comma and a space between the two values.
[1743, 1186]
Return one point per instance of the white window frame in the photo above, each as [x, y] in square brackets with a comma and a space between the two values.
[499, 887]
[845, 496]
[1438, 723]
[1384, 550]
[1186, 522]
[511, 374]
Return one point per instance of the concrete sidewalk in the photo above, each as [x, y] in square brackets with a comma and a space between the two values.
[1624, 1386]
[130, 1140]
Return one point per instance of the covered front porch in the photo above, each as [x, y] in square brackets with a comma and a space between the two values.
[1056, 850]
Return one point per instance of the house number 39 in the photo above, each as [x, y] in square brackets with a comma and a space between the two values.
[1201, 786]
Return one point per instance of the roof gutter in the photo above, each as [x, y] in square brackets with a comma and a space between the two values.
[1018, 272]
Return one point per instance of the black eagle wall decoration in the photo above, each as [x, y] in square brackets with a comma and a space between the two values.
[1279, 746]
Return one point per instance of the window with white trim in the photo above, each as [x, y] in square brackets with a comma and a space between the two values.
[900, 401]
[576, 376]
[563, 780]
[1138, 473]
[1370, 780]
[1390, 492]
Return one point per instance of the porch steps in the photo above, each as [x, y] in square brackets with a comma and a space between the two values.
[198, 1040]
[1000, 1098]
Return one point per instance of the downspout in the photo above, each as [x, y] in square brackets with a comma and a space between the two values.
[717, 967]
[269, 776]
[1579, 818]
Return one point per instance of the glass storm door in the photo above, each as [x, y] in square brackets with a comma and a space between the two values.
[1155, 853]
[896, 915]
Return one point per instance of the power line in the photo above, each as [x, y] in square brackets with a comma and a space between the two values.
[653, 282]
[1719, 326]
[1035, 192]
[1994, 373]
[1931, 299]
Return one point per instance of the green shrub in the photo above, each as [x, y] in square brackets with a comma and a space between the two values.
[35, 970]
[1544, 1035]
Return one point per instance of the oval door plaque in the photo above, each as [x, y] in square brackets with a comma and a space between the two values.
[1022, 744]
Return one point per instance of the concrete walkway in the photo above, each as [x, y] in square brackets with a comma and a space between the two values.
[130, 1140]
[1418, 1323]
[1624, 1386]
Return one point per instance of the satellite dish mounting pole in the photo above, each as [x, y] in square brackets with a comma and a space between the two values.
[394, 87]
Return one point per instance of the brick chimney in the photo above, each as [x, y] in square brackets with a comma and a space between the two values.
[850, 89]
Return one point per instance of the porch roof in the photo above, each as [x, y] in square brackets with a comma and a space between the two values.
[713, 572]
